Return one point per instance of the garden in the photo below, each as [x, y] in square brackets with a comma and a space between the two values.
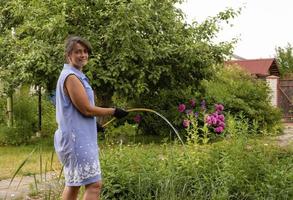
[196, 129]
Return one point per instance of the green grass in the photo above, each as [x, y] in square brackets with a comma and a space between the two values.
[11, 157]
[243, 168]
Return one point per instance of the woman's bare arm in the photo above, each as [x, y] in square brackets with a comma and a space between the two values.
[79, 98]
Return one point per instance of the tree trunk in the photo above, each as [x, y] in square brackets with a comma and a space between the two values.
[39, 111]
[10, 110]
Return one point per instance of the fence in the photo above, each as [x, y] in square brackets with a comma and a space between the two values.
[285, 98]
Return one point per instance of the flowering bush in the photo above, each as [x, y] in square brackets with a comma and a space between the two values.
[242, 93]
[199, 125]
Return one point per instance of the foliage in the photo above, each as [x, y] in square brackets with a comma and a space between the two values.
[237, 125]
[239, 168]
[225, 171]
[49, 125]
[138, 45]
[121, 134]
[284, 58]
[241, 93]
[34, 48]
[25, 120]
[200, 125]
[164, 102]
[151, 46]
[3, 111]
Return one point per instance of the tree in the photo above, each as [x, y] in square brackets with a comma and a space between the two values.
[285, 60]
[136, 43]
[31, 56]
[139, 46]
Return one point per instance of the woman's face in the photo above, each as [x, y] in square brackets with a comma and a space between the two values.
[78, 56]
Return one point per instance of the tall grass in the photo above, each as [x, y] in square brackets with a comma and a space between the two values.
[229, 170]
[239, 168]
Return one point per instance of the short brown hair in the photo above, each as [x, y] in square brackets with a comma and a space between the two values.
[72, 40]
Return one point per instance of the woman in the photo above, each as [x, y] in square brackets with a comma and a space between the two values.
[75, 140]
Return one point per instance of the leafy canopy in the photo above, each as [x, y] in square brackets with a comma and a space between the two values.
[139, 46]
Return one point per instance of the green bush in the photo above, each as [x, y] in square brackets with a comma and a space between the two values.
[49, 124]
[16, 135]
[3, 111]
[164, 102]
[228, 170]
[167, 103]
[241, 93]
[123, 133]
[24, 120]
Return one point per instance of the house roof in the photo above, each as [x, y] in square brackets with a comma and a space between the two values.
[258, 67]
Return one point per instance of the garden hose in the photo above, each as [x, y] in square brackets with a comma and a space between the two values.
[152, 111]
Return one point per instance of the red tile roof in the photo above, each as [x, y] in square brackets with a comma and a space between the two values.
[259, 67]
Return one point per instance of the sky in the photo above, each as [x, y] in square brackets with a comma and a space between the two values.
[261, 26]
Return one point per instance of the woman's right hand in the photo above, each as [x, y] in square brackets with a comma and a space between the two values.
[120, 113]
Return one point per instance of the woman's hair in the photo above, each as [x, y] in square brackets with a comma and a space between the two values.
[72, 40]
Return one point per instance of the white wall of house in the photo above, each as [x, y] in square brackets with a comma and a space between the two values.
[273, 82]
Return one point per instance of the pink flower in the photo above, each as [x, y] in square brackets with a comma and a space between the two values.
[219, 129]
[181, 107]
[209, 120]
[219, 107]
[137, 119]
[192, 103]
[222, 124]
[214, 120]
[186, 123]
[221, 118]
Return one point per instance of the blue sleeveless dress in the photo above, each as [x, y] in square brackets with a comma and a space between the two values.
[75, 140]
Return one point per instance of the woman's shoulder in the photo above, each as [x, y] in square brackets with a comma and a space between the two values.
[64, 74]
[67, 71]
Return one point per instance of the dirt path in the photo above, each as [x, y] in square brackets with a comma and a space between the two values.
[286, 138]
[22, 186]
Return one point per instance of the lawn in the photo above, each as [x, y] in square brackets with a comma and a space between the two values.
[11, 157]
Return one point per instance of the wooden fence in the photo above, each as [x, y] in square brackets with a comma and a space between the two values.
[285, 98]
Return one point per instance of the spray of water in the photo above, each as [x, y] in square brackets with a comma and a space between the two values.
[152, 111]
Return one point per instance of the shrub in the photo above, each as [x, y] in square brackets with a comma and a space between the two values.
[164, 102]
[16, 135]
[25, 116]
[49, 124]
[121, 133]
[241, 93]
[25, 120]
